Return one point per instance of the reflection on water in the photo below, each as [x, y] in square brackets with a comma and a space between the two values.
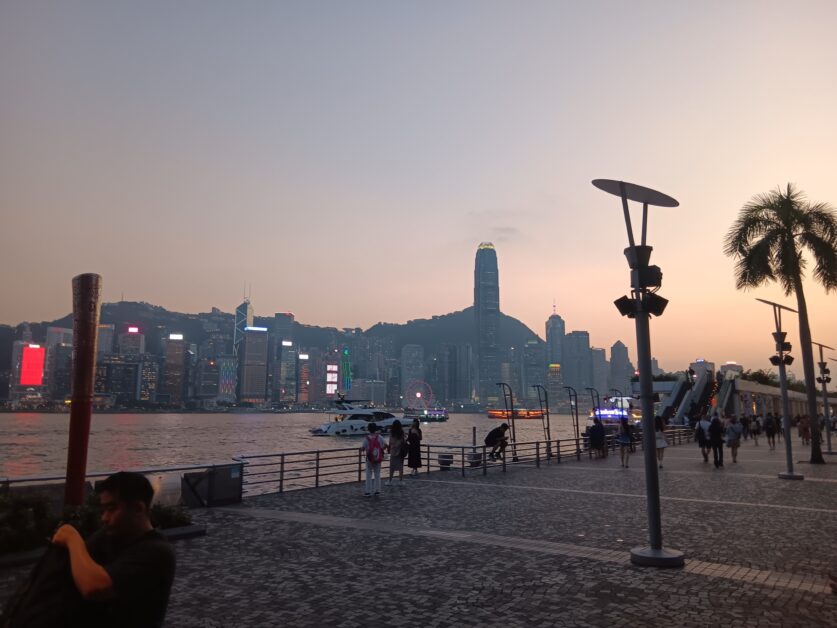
[36, 444]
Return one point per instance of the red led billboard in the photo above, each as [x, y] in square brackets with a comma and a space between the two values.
[32, 365]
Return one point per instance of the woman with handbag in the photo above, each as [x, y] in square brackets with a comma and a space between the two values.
[397, 448]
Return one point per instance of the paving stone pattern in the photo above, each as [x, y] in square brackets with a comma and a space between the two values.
[530, 547]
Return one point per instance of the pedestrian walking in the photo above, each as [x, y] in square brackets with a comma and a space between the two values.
[625, 438]
[770, 430]
[755, 430]
[702, 434]
[373, 446]
[397, 448]
[660, 429]
[733, 435]
[716, 441]
[414, 447]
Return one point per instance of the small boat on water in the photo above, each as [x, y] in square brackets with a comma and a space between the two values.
[620, 408]
[519, 413]
[350, 418]
[426, 415]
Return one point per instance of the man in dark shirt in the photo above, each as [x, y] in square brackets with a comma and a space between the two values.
[125, 570]
[497, 440]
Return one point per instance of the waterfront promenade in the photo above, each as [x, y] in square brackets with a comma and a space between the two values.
[531, 547]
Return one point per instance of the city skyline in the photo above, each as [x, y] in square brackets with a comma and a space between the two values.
[366, 150]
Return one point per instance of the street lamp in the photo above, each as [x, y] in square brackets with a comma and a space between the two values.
[824, 379]
[508, 402]
[783, 359]
[543, 402]
[643, 302]
[573, 395]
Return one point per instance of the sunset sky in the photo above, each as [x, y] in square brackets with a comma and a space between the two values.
[347, 158]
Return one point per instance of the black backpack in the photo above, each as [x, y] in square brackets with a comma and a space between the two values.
[48, 598]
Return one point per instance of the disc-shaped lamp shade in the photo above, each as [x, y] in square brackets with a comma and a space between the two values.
[635, 193]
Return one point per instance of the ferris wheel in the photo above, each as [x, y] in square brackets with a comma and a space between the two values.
[418, 394]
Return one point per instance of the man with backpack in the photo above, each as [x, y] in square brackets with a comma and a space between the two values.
[373, 447]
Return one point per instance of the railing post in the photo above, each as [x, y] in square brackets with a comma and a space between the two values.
[504, 462]
[317, 471]
[577, 450]
[462, 455]
[484, 461]
[360, 466]
[428, 459]
[538, 454]
[558, 450]
[282, 473]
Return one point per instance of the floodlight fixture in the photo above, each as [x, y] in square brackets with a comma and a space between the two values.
[626, 306]
[654, 304]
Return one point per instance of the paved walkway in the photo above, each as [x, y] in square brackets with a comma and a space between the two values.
[532, 547]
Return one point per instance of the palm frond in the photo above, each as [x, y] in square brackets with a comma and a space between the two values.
[825, 259]
[822, 219]
[753, 222]
[755, 266]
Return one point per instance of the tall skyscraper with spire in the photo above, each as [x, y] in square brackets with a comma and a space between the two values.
[243, 319]
[487, 318]
[555, 332]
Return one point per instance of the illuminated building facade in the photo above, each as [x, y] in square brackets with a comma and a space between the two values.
[174, 383]
[253, 366]
[132, 341]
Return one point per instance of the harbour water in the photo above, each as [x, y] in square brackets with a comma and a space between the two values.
[36, 444]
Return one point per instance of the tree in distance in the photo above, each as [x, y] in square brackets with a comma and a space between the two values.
[767, 241]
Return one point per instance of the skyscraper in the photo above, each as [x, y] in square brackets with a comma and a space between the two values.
[601, 370]
[578, 361]
[132, 341]
[243, 319]
[175, 374]
[487, 318]
[534, 368]
[621, 369]
[252, 362]
[555, 331]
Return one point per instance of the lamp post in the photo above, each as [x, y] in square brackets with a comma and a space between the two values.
[508, 402]
[824, 379]
[543, 402]
[573, 395]
[783, 359]
[643, 302]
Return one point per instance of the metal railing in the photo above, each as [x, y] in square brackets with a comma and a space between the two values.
[279, 472]
[194, 490]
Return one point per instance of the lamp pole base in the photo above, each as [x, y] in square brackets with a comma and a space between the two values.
[784, 475]
[650, 557]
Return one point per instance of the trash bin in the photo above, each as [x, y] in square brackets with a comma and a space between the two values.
[445, 462]
[216, 486]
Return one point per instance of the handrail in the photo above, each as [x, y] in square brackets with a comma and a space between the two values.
[104, 474]
[285, 470]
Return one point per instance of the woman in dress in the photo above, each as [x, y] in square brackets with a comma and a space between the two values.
[625, 438]
[397, 440]
[660, 429]
[414, 447]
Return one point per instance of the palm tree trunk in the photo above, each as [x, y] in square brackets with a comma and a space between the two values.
[808, 371]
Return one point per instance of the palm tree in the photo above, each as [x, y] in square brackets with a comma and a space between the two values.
[767, 241]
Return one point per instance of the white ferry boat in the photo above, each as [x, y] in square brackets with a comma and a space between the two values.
[349, 418]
